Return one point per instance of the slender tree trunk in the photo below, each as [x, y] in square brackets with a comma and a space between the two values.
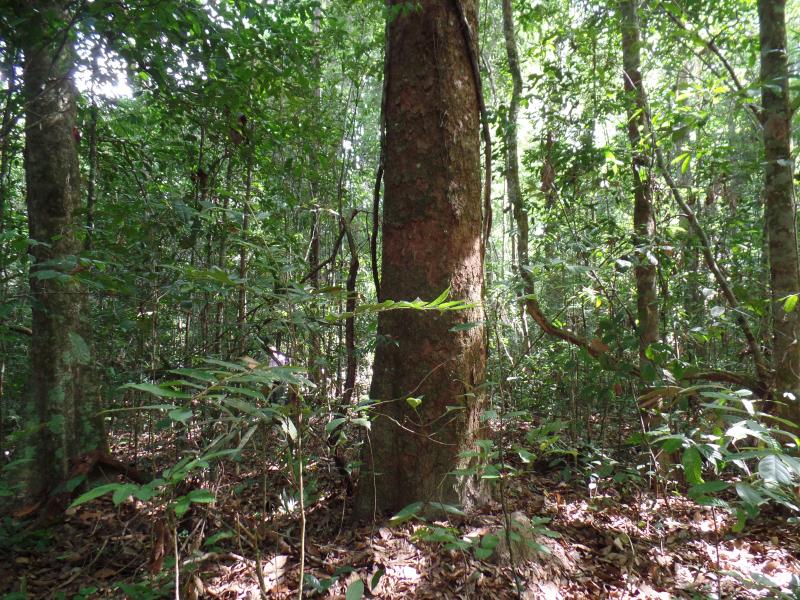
[222, 255]
[90, 184]
[5, 131]
[64, 412]
[241, 312]
[7, 127]
[643, 218]
[780, 212]
[512, 159]
[314, 371]
[512, 175]
[431, 241]
[350, 322]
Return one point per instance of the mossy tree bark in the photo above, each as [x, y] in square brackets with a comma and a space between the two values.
[431, 240]
[779, 205]
[63, 403]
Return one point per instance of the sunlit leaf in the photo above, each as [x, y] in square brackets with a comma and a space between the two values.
[407, 513]
[772, 469]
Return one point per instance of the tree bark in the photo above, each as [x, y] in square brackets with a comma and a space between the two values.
[780, 212]
[65, 412]
[643, 218]
[350, 321]
[431, 241]
[512, 159]
[512, 175]
[241, 305]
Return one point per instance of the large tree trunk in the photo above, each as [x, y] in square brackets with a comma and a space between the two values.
[64, 411]
[431, 240]
[643, 218]
[780, 213]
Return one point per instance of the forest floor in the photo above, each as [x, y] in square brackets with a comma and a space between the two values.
[592, 541]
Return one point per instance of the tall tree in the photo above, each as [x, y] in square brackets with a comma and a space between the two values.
[643, 217]
[431, 241]
[512, 164]
[65, 413]
[779, 205]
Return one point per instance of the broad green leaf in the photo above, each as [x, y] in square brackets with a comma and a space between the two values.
[673, 443]
[407, 513]
[334, 424]
[365, 423]
[201, 496]
[47, 274]
[249, 409]
[123, 492]
[376, 578]
[95, 493]
[490, 472]
[448, 508]
[790, 303]
[289, 428]
[180, 414]
[710, 487]
[355, 591]
[749, 494]
[741, 520]
[222, 535]
[413, 402]
[772, 470]
[692, 463]
[526, 456]
[73, 483]
[181, 506]
[146, 492]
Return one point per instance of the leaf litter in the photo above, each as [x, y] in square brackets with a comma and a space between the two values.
[600, 542]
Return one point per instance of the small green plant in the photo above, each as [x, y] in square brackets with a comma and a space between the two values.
[734, 445]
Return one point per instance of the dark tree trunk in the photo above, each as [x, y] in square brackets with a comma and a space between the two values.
[431, 240]
[643, 218]
[64, 410]
[779, 211]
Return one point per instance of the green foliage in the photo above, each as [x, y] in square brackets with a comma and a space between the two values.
[742, 448]
[355, 591]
